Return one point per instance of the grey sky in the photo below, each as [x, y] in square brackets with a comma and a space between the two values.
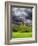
[22, 12]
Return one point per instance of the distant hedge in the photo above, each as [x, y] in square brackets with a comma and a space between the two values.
[22, 28]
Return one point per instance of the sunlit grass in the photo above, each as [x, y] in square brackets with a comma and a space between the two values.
[21, 35]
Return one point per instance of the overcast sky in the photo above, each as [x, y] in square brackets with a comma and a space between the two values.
[21, 11]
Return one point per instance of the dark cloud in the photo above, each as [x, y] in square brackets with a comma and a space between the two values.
[24, 13]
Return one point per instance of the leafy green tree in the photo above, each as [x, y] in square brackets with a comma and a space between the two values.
[22, 28]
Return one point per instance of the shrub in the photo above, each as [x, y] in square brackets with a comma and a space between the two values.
[22, 28]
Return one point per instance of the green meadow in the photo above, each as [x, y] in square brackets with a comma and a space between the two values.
[21, 35]
[22, 31]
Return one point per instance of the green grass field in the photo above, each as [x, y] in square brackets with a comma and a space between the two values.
[21, 35]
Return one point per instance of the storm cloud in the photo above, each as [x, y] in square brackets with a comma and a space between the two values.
[24, 13]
